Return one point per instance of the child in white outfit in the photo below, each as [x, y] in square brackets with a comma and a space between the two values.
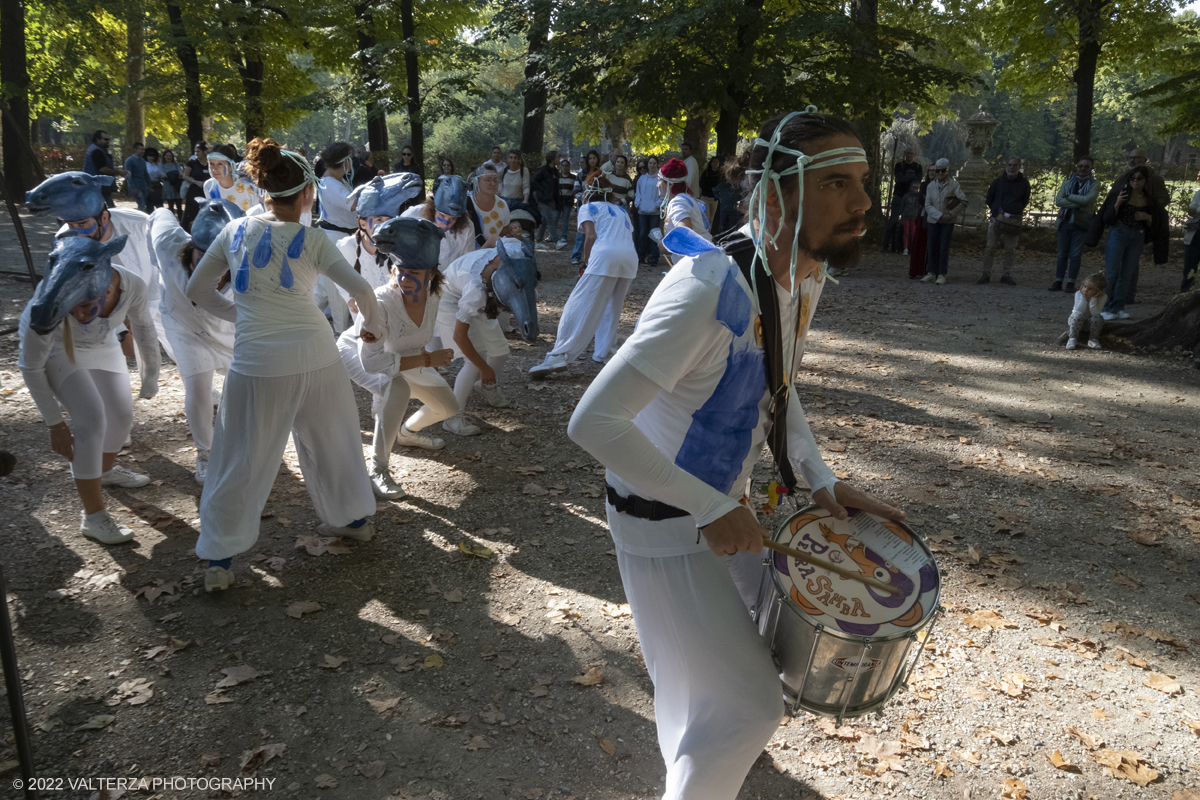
[1089, 301]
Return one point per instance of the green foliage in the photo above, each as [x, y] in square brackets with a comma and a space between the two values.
[1178, 94]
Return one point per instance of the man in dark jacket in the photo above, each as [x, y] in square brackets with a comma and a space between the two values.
[1007, 198]
[904, 172]
[543, 185]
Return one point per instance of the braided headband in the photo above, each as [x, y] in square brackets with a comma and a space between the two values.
[223, 157]
[305, 167]
[758, 198]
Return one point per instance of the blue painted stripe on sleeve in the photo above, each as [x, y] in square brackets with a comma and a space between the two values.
[686, 242]
[733, 305]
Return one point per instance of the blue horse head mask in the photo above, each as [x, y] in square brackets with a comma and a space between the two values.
[515, 285]
[78, 270]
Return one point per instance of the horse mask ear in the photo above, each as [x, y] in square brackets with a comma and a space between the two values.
[113, 246]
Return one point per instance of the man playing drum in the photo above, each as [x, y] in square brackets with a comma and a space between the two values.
[679, 416]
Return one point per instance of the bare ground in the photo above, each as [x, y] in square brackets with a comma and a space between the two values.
[1058, 490]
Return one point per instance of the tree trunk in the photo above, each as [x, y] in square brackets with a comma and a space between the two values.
[1090, 19]
[737, 87]
[533, 124]
[616, 131]
[251, 70]
[865, 15]
[377, 132]
[189, 61]
[14, 74]
[1177, 325]
[698, 130]
[412, 72]
[135, 70]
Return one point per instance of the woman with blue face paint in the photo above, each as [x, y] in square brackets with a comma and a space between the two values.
[77, 365]
[226, 184]
[447, 208]
[286, 376]
[395, 366]
[201, 344]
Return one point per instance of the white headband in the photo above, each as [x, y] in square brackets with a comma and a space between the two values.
[758, 198]
[305, 167]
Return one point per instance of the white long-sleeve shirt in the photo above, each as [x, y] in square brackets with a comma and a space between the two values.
[1088, 308]
[936, 195]
[279, 329]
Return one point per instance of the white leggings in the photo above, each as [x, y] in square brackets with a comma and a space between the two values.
[251, 431]
[198, 405]
[101, 407]
[432, 390]
[470, 373]
[594, 307]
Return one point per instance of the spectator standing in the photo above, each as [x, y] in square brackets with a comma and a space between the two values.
[1191, 241]
[407, 163]
[155, 176]
[566, 200]
[172, 194]
[729, 214]
[497, 161]
[591, 163]
[1076, 201]
[918, 247]
[514, 179]
[647, 202]
[445, 172]
[365, 171]
[904, 172]
[139, 178]
[610, 163]
[693, 169]
[1156, 187]
[709, 179]
[98, 161]
[543, 186]
[910, 213]
[942, 196]
[1134, 218]
[620, 182]
[1007, 199]
[194, 175]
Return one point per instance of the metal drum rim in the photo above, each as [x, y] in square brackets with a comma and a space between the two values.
[851, 637]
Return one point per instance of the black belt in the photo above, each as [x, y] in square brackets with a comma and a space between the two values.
[329, 226]
[642, 508]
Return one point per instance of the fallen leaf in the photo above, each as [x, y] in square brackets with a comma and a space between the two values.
[971, 758]
[1147, 538]
[534, 489]
[1089, 741]
[887, 753]
[1056, 758]
[974, 554]
[845, 732]
[455, 596]
[492, 715]
[1163, 683]
[326, 782]
[210, 760]
[1002, 738]
[1194, 725]
[321, 545]
[260, 756]
[983, 620]
[216, 697]
[236, 675]
[1125, 764]
[941, 770]
[1121, 579]
[301, 607]
[1100, 713]
[1013, 789]
[372, 770]
[593, 676]
[533, 794]
[474, 550]
[607, 746]
[477, 743]
[434, 661]
[384, 707]
[98, 722]
[1186, 794]
[403, 663]
[1012, 685]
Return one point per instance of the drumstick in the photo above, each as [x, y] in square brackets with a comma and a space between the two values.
[807, 558]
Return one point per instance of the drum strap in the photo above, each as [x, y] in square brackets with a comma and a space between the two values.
[640, 507]
[740, 248]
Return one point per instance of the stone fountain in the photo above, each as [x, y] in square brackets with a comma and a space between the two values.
[976, 176]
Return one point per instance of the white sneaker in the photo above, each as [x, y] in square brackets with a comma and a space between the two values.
[363, 533]
[125, 478]
[905, 252]
[1122, 315]
[551, 365]
[560, 244]
[104, 529]
[416, 439]
[459, 425]
[1108, 315]
[1094, 344]
[217, 579]
[201, 466]
[929, 278]
[493, 394]
[384, 486]
[1071, 344]
[941, 280]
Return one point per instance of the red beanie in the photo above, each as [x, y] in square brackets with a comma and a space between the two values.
[675, 171]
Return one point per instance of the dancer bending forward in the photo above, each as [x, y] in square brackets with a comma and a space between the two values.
[395, 365]
[610, 265]
[286, 374]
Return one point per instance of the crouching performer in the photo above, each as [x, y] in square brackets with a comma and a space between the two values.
[394, 366]
[70, 354]
[679, 417]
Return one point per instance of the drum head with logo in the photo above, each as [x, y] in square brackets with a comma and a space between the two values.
[869, 545]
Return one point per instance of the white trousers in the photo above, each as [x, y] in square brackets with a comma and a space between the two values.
[594, 308]
[198, 406]
[100, 404]
[424, 384]
[717, 694]
[251, 432]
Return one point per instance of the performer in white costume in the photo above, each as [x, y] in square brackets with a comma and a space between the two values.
[375, 202]
[337, 221]
[447, 209]
[70, 355]
[610, 265]
[395, 366]
[680, 208]
[201, 343]
[227, 184]
[679, 416]
[286, 374]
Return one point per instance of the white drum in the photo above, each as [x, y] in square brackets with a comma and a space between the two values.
[843, 647]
